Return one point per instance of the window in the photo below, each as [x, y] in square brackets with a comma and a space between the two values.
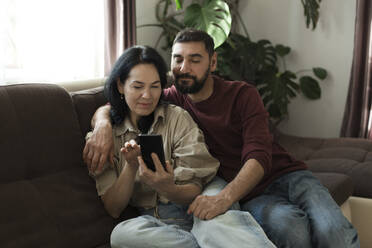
[51, 40]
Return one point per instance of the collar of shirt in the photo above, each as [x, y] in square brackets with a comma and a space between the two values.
[127, 126]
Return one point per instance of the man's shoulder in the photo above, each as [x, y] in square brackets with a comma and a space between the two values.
[172, 95]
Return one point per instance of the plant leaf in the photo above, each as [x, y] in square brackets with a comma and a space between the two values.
[212, 17]
[311, 12]
[320, 73]
[264, 53]
[282, 50]
[274, 111]
[310, 87]
[178, 4]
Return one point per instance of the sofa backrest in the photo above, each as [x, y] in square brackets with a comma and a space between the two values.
[38, 125]
[86, 103]
[348, 156]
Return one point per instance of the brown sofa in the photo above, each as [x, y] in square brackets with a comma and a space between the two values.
[47, 197]
[344, 165]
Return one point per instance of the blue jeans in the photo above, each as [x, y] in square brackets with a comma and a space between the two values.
[169, 225]
[296, 210]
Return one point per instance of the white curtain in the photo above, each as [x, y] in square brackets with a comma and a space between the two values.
[51, 40]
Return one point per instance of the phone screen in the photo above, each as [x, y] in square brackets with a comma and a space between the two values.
[151, 143]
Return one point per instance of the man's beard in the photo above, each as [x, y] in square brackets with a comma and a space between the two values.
[196, 85]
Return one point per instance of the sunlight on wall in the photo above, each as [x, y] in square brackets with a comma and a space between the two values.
[50, 40]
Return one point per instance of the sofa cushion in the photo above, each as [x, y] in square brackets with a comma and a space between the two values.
[39, 132]
[57, 210]
[339, 185]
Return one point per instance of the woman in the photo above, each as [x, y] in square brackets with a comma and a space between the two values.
[134, 90]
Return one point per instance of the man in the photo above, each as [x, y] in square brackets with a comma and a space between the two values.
[289, 203]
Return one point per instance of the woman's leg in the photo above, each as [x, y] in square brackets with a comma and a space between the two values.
[166, 225]
[148, 231]
[233, 229]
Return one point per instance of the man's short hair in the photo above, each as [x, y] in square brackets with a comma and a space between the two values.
[190, 35]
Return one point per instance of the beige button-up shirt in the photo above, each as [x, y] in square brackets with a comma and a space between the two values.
[184, 147]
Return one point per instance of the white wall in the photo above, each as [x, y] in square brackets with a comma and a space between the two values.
[282, 21]
[145, 11]
[330, 46]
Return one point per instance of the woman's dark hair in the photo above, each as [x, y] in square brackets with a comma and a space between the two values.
[130, 58]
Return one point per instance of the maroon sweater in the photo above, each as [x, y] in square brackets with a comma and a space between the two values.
[235, 126]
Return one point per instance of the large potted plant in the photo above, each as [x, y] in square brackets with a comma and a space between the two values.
[240, 58]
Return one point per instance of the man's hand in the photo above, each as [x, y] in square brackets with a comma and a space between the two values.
[207, 207]
[99, 147]
[161, 180]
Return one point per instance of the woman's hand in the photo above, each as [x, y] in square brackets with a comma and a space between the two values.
[117, 197]
[161, 180]
[131, 151]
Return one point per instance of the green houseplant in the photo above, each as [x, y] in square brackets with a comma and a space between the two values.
[257, 62]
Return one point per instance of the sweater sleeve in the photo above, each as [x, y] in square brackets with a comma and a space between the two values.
[257, 140]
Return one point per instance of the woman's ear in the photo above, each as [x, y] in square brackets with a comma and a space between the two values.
[120, 86]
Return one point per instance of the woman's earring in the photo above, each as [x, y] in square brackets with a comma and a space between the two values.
[121, 96]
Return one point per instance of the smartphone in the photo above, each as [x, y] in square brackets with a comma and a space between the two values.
[151, 143]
